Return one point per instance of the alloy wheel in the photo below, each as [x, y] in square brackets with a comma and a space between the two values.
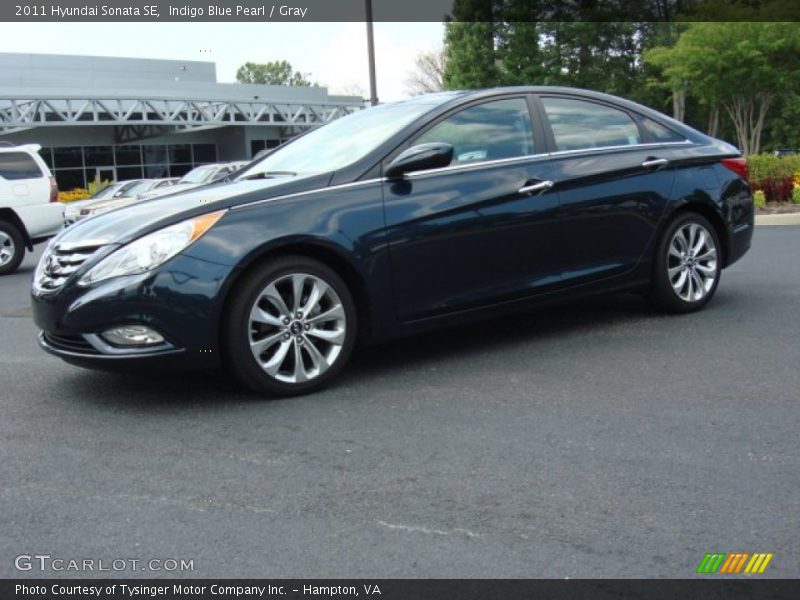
[692, 265]
[297, 327]
[7, 248]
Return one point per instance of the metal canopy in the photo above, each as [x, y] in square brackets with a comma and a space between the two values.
[24, 112]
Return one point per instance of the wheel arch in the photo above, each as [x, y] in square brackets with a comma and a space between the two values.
[323, 252]
[712, 214]
[8, 214]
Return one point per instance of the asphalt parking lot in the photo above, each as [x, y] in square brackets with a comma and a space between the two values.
[596, 440]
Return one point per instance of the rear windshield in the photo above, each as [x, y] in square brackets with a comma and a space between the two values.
[18, 165]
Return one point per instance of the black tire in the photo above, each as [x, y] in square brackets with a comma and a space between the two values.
[12, 248]
[237, 329]
[663, 295]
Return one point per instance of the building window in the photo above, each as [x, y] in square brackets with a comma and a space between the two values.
[98, 156]
[128, 155]
[204, 153]
[69, 179]
[67, 157]
[181, 153]
[75, 166]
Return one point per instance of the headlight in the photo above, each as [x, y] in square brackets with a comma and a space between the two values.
[149, 251]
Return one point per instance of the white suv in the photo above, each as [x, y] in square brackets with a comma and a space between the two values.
[29, 208]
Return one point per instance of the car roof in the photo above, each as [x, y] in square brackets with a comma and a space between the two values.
[458, 97]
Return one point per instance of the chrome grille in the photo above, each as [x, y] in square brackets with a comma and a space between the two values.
[59, 262]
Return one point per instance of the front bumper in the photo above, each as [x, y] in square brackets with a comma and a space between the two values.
[180, 300]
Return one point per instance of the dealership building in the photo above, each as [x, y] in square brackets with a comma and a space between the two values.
[126, 118]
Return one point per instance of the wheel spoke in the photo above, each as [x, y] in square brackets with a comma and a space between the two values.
[700, 287]
[317, 358]
[701, 241]
[271, 294]
[258, 346]
[674, 271]
[678, 285]
[334, 313]
[708, 270]
[318, 291]
[298, 282]
[273, 365]
[299, 368]
[707, 255]
[259, 315]
[334, 336]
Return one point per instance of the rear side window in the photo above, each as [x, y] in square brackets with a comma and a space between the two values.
[18, 165]
[577, 124]
[661, 133]
[490, 131]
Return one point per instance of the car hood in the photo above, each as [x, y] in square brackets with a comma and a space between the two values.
[129, 222]
[110, 203]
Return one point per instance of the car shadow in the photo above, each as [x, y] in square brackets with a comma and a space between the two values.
[209, 389]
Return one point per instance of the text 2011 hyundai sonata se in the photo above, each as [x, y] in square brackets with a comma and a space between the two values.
[399, 218]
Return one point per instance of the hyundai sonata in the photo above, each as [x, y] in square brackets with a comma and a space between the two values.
[397, 219]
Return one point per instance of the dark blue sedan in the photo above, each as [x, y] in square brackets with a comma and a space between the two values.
[397, 219]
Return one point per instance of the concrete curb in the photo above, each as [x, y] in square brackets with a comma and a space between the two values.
[783, 219]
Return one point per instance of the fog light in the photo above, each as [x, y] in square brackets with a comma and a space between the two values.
[132, 335]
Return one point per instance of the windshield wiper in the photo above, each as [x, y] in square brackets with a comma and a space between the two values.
[270, 174]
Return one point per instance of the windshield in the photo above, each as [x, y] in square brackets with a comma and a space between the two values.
[198, 175]
[138, 188]
[340, 142]
[107, 191]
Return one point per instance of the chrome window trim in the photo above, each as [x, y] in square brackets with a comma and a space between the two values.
[478, 165]
[466, 166]
[619, 147]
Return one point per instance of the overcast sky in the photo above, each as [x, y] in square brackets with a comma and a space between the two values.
[334, 54]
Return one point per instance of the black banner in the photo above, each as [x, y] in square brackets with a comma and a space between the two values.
[399, 589]
[394, 10]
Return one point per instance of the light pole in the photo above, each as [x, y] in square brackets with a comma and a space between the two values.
[373, 89]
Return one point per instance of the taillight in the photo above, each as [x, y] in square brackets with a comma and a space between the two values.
[53, 190]
[738, 166]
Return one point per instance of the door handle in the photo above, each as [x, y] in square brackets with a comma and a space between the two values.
[655, 162]
[539, 186]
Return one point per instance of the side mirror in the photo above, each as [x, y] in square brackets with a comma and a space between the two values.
[419, 158]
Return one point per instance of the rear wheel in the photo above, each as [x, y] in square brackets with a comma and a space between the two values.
[12, 248]
[688, 264]
[290, 327]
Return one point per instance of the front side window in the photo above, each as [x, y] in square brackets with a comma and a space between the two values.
[490, 131]
[578, 124]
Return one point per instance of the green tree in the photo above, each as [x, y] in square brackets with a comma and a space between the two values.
[276, 72]
[740, 67]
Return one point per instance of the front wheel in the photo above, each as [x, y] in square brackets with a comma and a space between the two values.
[290, 327]
[688, 264]
[12, 248]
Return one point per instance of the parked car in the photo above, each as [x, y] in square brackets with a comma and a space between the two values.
[429, 212]
[29, 207]
[118, 189]
[197, 177]
[128, 196]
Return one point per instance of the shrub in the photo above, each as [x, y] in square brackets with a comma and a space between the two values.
[759, 199]
[776, 189]
[74, 194]
[95, 186]
[763, 166]
[775, 176]
[796, 195]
